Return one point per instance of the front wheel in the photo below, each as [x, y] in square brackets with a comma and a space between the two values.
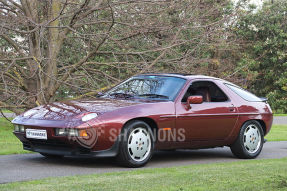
[136, 144]
[250, 140]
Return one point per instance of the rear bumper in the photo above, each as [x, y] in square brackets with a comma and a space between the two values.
[56, 147]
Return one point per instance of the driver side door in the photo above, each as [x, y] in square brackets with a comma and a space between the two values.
[213, 119]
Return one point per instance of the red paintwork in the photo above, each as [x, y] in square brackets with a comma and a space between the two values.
[208, 124]
[194, 99]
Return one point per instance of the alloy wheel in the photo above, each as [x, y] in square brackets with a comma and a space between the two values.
[252, 138]
[139, 144]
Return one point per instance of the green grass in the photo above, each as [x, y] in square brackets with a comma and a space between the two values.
[9, 144]
[6, 111]
[280, 114]
[277, 133]
[267, 174]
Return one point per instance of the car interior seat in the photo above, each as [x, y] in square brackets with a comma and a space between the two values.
[204, 92]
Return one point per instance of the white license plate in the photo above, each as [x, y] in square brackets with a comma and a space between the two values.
[36, 134]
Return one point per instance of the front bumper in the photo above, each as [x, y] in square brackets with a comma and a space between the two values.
[58, 147]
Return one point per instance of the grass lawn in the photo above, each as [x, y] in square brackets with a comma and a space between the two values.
[6, 111]
[9, 144]
[279, 114]
[268, 174]
[277, 133]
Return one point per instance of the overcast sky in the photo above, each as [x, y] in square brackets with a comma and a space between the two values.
[258, 3]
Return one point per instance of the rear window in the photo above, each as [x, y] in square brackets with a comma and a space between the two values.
[243, 93]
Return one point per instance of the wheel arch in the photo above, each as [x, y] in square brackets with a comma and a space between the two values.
[151, 122]
[147, 120]
[261, 122]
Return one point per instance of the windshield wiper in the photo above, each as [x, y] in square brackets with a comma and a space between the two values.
[154, 96]
[121, 95]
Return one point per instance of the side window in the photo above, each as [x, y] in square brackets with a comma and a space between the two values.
[243, 93]
[208, 90]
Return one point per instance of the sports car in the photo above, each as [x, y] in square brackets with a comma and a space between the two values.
[149, 112]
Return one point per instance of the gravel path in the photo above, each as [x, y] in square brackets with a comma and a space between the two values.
[280, 120]
[9, 115]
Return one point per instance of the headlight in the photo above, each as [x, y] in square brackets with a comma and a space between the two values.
[71, 132]
[19, 128]
[89, 117]
[60, 132]
[16, 127]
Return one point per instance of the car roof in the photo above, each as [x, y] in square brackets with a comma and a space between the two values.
[180, 75]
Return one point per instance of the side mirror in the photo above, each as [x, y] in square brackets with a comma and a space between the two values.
[198, 99]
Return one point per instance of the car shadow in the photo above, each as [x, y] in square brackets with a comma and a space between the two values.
[77, 161]
[193, 154]
[162, 157]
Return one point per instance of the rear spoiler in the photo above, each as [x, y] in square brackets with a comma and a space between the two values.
[264, 99]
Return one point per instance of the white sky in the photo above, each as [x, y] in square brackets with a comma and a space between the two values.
[258, 3]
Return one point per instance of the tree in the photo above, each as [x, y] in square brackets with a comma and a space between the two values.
[55, 48]
[264, 62]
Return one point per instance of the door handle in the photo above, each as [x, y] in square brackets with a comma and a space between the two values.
[232, 108]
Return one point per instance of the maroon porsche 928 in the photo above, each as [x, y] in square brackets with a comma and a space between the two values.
[149, 112]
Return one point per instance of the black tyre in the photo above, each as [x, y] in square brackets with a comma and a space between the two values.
[51, 156]
[250, 140]
[136, 144]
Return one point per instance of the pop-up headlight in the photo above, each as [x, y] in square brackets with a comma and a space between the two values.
[89, 116]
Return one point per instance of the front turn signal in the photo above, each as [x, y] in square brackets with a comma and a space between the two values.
[83, 133]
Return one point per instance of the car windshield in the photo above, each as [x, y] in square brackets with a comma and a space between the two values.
[148, 87]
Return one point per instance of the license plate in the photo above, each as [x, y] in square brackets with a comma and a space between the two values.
[36, 134]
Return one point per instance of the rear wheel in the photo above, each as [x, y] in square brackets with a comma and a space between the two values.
[136, 144]
[250, 140]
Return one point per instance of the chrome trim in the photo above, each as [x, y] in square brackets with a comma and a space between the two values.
[167, 116]
[216, 114]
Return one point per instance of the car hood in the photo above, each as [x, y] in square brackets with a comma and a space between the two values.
[74, 108]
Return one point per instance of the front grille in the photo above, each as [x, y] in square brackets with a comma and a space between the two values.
[54, 145]
[50, 143]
